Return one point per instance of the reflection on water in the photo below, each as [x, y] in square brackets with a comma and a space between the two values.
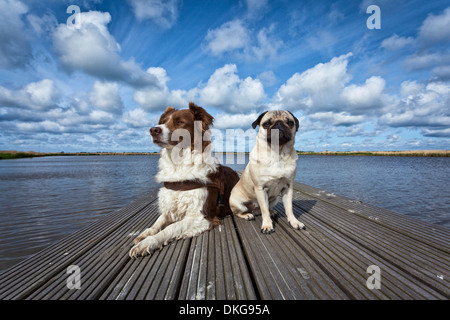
[45, 199]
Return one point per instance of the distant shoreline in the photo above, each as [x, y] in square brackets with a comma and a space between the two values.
[410, 153]
[13, 154]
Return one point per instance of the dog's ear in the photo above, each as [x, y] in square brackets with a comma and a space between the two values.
[257, 121]
[297, 123]
[163, 117]
[169, 109]
[200, 114]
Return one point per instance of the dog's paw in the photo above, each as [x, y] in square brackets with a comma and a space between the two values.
[143, 235]
[267, 228]
[246, 216]
[144, 247]
[297, 224]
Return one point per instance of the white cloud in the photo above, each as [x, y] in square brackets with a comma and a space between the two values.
[230, 36]
[322, 40]
[396, 43]
[42, 24]
[432, 41]
[39, 95]
[419, 106]
[137, 118]
[266, 46]
[410, 88]
[364, 97]
[225, 90]
[101, 117]
[393, 139]
[105, 96]
[93, 50]
[437, 132]
[337, 119]
[256, 7]
[306, 90]
[435, 29]
[15, 49]
[267, 78]
[158, 97]
[162, 12]
[421, 61]
[230, 121]
[234, 37]
[441, 72]
[44, 126]
[324, 94]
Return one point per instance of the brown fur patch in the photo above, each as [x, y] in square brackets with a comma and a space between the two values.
[217, 204]
[184, 119]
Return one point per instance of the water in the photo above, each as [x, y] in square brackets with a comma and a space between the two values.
[45, 199]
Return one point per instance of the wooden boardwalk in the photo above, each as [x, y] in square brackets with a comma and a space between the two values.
[328, 260]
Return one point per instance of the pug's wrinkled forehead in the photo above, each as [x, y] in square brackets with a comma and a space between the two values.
[268, 118]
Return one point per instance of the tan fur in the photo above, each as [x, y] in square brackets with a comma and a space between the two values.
[270, 172]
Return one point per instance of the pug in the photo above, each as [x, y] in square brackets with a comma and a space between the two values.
[270, 172]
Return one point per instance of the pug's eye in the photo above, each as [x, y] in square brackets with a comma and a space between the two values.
[266, 124]
[291, 123]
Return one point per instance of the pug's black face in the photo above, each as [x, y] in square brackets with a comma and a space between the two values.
[278, 123]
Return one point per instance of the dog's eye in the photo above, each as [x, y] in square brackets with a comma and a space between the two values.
[266, 124]
[180, 122]
[291, 123]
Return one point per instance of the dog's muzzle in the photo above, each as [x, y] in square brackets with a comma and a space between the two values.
[158, 135]
[284, 133]
[155, 132]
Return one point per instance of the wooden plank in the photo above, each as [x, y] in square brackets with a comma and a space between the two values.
[142, 278]
[23, 279]
[413, 259]
[346, 262]
[216, 267]
[433, 235]
[236, 271]
[101, 263]
[328, 260]
[281, 269]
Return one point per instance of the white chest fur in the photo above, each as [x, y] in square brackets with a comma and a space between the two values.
[178, 205]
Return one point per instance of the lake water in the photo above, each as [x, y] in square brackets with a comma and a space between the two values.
[45, 199]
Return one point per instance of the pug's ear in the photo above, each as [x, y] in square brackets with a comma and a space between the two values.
[257, 121]
[297, 123]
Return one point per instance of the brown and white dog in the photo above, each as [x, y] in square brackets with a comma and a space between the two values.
[196, 187]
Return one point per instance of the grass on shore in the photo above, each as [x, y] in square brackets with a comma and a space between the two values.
[31, 154]
[412, 153]
[12, 154]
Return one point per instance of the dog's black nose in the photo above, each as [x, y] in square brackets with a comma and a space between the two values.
[155, 131]
[278, 125]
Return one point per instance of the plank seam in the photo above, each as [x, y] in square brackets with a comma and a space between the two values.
[385, 258]
[32, 288]
[246, 259]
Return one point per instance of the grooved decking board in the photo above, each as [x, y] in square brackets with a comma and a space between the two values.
[328, 260]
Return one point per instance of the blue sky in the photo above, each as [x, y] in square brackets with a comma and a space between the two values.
[102, 82]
